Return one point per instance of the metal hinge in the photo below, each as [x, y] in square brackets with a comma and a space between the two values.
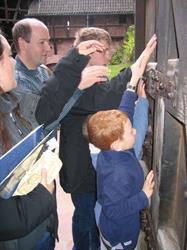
[163, 84]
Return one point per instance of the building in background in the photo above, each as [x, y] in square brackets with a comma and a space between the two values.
[10, 12]
[64, 18]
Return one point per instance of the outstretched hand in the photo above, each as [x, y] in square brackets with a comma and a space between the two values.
[91, 75]
[139, 66]
[89, 47]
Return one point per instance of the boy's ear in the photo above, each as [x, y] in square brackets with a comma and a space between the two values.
[115, 145]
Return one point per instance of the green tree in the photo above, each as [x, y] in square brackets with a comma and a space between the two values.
[117, 57]
[129, 45]
[125, 53]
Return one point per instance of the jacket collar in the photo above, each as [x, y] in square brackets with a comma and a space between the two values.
[9, 101]
[22, 67]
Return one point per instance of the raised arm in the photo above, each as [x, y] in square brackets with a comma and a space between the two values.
[127, 102]
[140, 119]
[66, 78]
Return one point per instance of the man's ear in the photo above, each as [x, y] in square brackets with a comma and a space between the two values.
[22, 43]
[116, 145]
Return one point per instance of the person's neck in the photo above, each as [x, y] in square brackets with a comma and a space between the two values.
[27, 63]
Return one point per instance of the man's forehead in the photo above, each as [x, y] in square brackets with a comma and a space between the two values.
[40, 33]
[105, 43]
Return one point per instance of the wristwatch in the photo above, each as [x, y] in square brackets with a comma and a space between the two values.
[131, 87]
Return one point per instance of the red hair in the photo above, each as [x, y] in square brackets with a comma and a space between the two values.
[105, 127]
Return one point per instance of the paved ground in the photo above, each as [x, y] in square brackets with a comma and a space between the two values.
[65, 211]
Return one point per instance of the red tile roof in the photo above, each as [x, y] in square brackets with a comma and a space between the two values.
[81, 7]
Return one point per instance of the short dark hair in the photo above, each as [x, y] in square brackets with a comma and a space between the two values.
[21, 29]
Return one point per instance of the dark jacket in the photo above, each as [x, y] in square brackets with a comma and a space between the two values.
[60, 86]
[77, 174]
[20, 215]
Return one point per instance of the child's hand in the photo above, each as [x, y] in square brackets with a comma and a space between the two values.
[50, 187]
[141, 89]
[149, 184]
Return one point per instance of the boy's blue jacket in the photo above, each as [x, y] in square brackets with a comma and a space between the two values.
[119, 189]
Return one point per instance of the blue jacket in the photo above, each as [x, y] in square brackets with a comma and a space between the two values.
[119, 189]
[30, 80]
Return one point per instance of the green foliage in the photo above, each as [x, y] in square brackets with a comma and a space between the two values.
[125, 53]
[115, 69]
[117, 57]
[129, 45]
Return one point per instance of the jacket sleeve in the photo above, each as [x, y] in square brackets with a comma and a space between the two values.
[125, 201]
[127, 103]
[126, 207]
[140, 123]
[60, 86]
[21, 214]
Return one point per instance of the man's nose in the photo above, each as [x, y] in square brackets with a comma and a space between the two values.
[47, 46]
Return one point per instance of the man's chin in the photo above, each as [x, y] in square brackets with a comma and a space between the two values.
[44, 60]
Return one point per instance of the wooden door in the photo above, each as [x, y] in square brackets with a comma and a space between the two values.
[167, 87]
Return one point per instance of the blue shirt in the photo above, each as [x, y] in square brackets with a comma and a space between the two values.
[33, 81]
[30, 80]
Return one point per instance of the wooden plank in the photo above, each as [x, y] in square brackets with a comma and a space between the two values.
[172, 37]
[162, 24]
[16, 10]
[150, 28]
[180, 10]
[140, 27]
[6, 7]
[150, 18]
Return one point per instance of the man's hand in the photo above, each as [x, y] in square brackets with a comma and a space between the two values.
[89, 47]
[91, 75]
[139, 66]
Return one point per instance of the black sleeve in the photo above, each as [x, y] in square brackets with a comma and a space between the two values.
[60, 86]
[19, 215]
[103, 96]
